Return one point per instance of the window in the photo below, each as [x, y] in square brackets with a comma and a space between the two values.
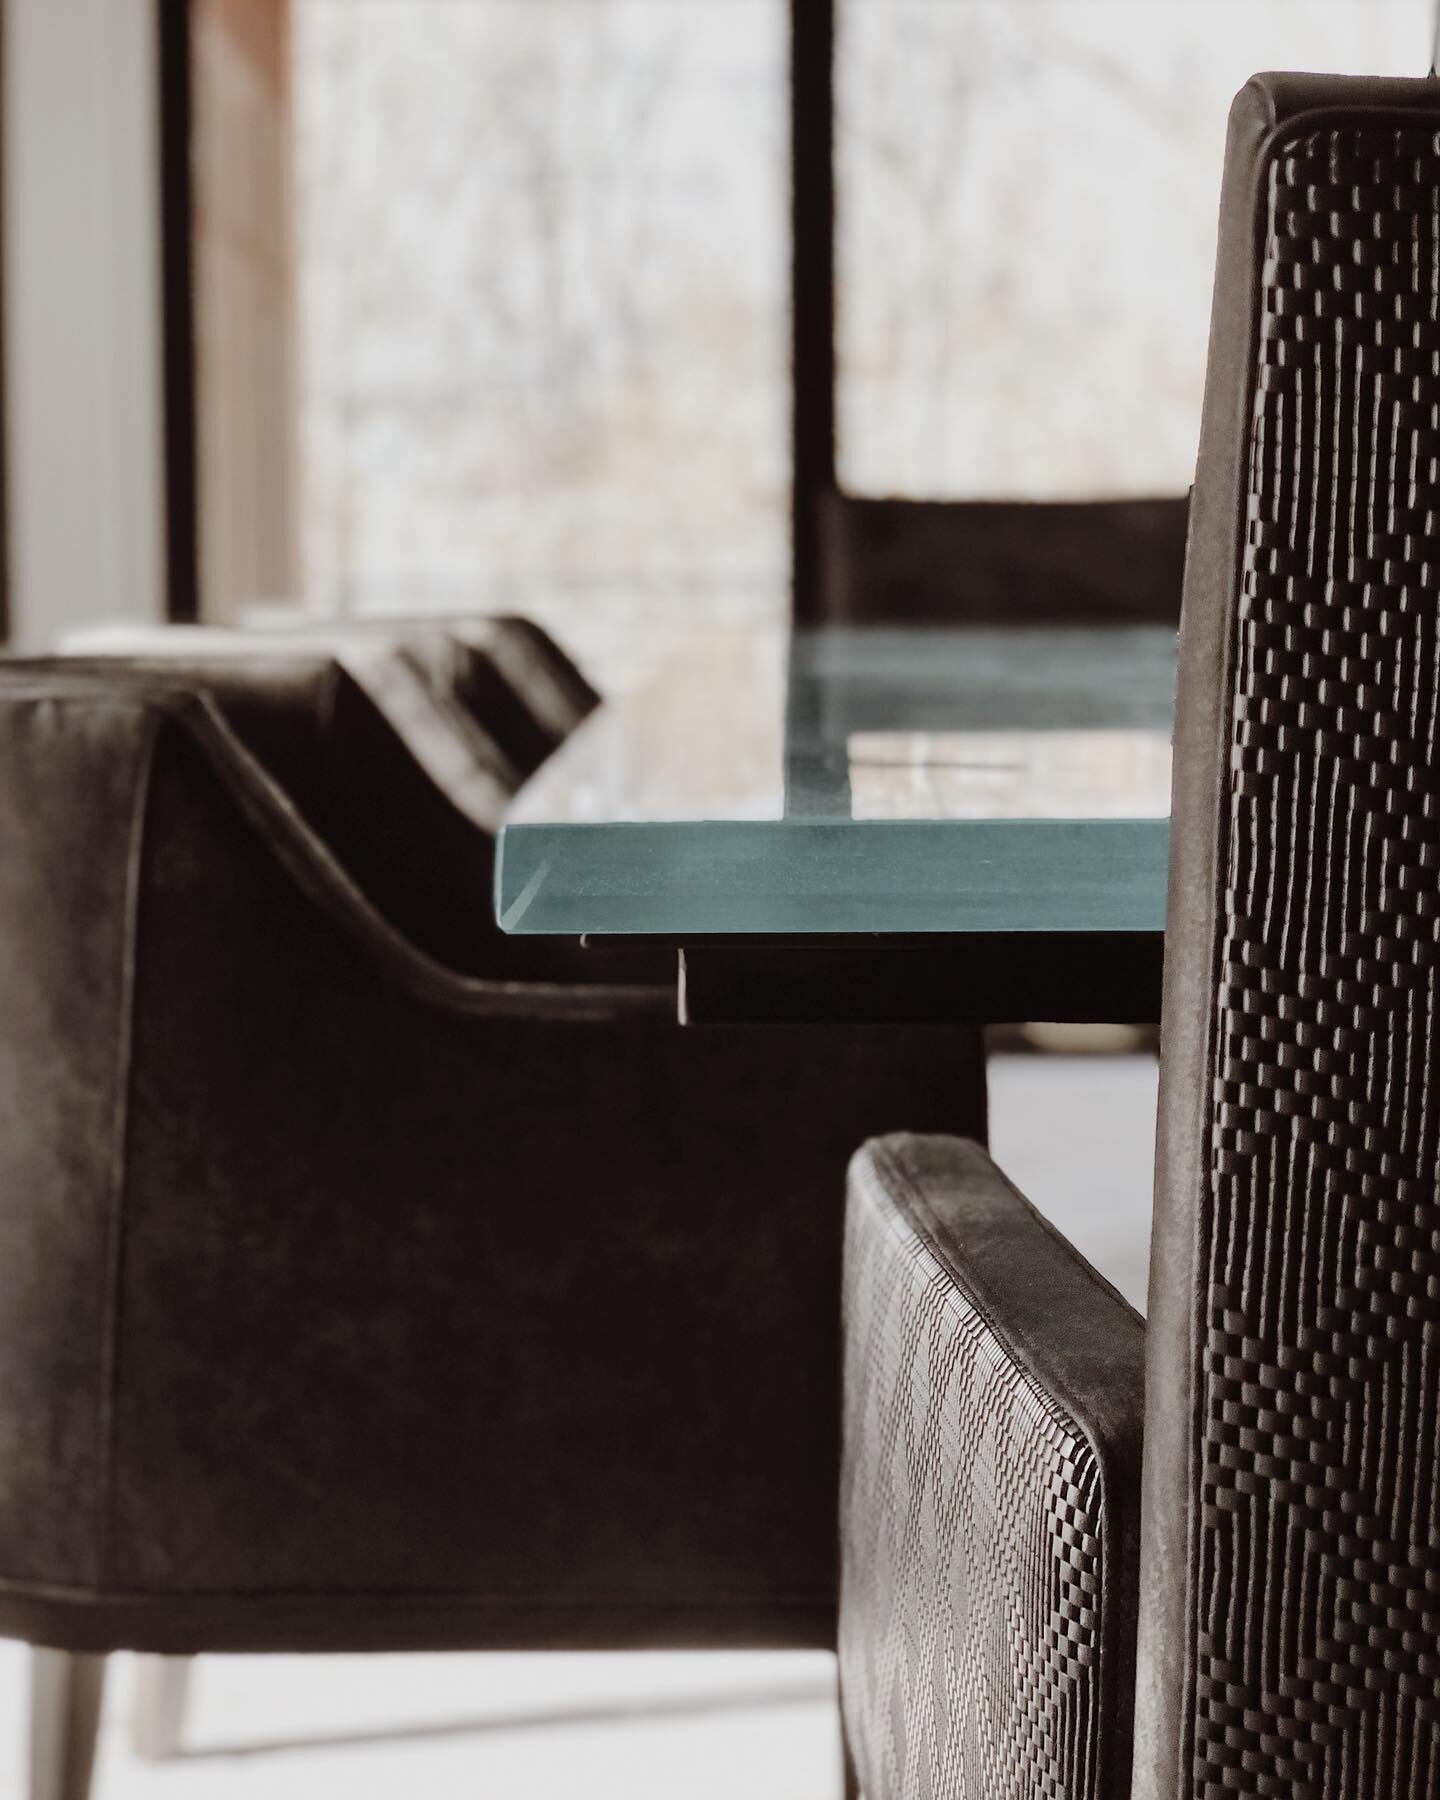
[495, 314]
[542, 276]
[1026, 199]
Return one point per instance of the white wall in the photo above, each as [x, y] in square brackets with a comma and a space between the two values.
[83, 358]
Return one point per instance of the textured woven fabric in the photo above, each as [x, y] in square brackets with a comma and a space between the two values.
[1317, 1556]
[971, 1537]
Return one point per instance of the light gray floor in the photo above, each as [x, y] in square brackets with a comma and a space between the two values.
[1075, 1134]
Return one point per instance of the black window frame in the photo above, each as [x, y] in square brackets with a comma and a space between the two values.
[812, 302]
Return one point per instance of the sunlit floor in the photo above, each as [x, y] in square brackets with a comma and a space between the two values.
[1076, 1134]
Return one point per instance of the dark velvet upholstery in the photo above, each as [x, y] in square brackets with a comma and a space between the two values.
[387, 758]
[347, 1301]
[1289, 1636]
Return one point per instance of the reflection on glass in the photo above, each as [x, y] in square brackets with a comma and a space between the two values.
[1009, 775]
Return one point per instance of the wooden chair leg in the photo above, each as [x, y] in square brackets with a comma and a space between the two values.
[65, 1696]
[162, 1686]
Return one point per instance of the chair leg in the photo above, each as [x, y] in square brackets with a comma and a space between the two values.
[162, 1686]
[65, 1696]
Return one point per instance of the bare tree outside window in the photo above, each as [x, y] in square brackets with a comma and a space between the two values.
[542, 251]
[543, 275]
[1027, 194]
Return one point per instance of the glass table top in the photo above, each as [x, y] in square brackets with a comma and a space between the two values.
[858, 781]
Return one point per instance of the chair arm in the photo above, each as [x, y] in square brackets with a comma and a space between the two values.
[504, 674]
[642, 985]
[993, 1408]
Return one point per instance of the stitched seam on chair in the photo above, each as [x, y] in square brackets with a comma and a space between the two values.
[110, 1311]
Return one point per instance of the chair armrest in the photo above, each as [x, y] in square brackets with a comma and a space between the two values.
[504, 676]
[994, 1398]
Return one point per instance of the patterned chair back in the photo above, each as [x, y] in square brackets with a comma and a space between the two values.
[1290, 1601]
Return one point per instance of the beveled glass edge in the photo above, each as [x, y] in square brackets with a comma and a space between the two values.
[816, 877]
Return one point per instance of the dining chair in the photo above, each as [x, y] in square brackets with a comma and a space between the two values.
[502, 671]
[404, 780]
[350, 1300]
[400, 748]
[1287, 1566]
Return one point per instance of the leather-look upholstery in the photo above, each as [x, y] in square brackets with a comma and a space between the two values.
[989, 1512]
[349, 1301]
[1289, 1632]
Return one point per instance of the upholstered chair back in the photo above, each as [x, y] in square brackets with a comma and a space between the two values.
[1290, 1608]
[402, 768]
